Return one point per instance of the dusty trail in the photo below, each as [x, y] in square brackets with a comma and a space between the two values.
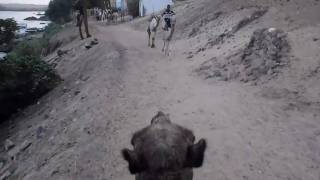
[249, 137]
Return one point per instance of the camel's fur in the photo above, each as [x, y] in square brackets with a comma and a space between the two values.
[152, 30]
[164, 151]
[168, 33]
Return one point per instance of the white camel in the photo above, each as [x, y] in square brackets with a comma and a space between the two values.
[104, 15]
[152, 29]
[168, 33]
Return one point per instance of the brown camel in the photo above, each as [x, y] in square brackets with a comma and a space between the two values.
[164, 151]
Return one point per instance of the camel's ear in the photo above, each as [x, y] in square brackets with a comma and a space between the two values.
[135, 163]
[195, 154]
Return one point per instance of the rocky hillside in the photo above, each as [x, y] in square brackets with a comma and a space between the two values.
[269, 43]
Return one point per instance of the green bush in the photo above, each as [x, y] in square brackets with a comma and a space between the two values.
[24, 78]
[59, 11]
[7, 33]
[50, 46]
[133, 7]
[7, 30]
[51, 30]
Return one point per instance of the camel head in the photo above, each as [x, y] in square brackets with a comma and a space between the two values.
[164, 151]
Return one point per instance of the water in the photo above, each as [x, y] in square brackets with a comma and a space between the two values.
[19, 16]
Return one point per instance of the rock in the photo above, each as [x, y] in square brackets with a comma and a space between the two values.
[3, 56]
[32, 18]
[254, 16]
[193, 32]
[84, 78]
[87, 46]
[5, 175]
[315, 39]
[18, 149]
[268, 49]
[233, 74]
[40, 132]
[65, 89]
[8, 144]
[83, 97]
[267, 52]
[1, 165]
[61, 52]
[270, 30]
[43, 18]
[5, 47]
[190, 56]
[77, 92]
[270, 72]
[201, 49]
[94, 42]
[224, 79]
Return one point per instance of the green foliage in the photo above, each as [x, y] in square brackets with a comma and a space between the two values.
[59, 11]
[7, 30]
[24, 77]
[133, 7]
[51, 30]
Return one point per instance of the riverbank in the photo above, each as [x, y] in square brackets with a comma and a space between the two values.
[20, 16]
[25, 76]
[22, 7]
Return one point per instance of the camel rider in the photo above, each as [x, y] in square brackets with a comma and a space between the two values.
[167, 15]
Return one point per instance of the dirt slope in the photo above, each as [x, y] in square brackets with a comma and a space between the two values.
[257, 129]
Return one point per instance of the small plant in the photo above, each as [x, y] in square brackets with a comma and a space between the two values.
[7, 33]
[24, 77]
[7, 30]
[51, 30]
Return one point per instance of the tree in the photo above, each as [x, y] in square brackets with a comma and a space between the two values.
[24, 78]
[7, 30]
[133, 7]
[144, 11]
[59, 11]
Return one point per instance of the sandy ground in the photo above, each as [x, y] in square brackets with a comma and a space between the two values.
[269, 131]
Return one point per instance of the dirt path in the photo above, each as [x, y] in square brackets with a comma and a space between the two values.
[250, 137]
[114, 89]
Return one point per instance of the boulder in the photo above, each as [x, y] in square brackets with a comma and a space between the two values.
[18, 149]
[32, 18]
[8, 144]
